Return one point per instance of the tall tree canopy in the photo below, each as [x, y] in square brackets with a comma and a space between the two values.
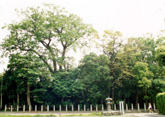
[39, 69]
[25, 72]
[49, 33]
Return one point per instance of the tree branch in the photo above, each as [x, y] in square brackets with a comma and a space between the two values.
[42, 58]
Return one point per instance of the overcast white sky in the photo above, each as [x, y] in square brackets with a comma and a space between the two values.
[131, 17]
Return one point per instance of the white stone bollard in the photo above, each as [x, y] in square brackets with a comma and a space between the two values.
[154, 106]
[72, 107]
[30, 108]
[78, 107]
[35, 108]
[115, 107]
[84, 107]
[102, 107]
[96, 107]
[121, 106]
[54, 108]
[66, 107]
[138, 107]
[59, 107]
[145, 107]
[47, 108]
[5, 108]
[11, 108]
[126, 107]
[42, 108]
[132, 107]
[23, 108]
[91, 107]
[17, 108]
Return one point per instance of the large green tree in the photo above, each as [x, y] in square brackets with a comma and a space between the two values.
[142, 77]
[111, 47]
[23, 73]
[92, 84]
[49, 33]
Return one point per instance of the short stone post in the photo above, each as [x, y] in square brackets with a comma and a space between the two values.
[72, 107]
[96, 107]
[121, 105]
[17, 108]
[30, 108]
[23, 108]
[47, 108]
[102, 107]
[115, 107]
[66, 107]
[59, 107]
[42, 108]
[145, 107]
[126, 107]
[54, 108]
[78, 107]
[84, 107]
[5, 107]
[132, 107]
[138, 107]
[154, 106]
[11, 108]
[91, 107]
[35, 108]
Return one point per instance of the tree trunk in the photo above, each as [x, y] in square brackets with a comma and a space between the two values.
[63, 56]
[137, 97]
[124, 100]
[109, 91]
[147, 98]
[13, 102]
[113, 97]
[62, 100]
[17, 98]
[28, 95]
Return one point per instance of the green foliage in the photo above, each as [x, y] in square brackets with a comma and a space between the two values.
[160, 101]
[25, 70]
[142, 74]
[160, 55]
[93, 78]
[159, 84]
[48, 33]
[38, 47]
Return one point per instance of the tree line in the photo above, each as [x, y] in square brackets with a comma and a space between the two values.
[41, 71]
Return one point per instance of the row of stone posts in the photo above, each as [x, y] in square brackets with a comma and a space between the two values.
[54, 108]
[138, 107]
[79, 109]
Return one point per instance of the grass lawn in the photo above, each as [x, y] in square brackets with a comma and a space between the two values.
[63, 115]
[4, 115]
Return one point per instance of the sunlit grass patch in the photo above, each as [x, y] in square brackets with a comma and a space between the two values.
[4, 115]
[77, 115]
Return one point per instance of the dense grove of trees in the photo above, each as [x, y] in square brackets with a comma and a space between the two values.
[40, 70]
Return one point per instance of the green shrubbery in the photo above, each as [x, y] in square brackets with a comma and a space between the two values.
[160, 101]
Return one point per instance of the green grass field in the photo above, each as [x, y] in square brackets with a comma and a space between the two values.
[27, 116]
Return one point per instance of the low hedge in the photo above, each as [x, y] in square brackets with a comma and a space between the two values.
[160, 102]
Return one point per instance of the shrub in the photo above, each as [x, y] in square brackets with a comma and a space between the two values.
[160, 101]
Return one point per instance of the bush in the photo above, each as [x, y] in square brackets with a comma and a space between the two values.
[160, 101]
